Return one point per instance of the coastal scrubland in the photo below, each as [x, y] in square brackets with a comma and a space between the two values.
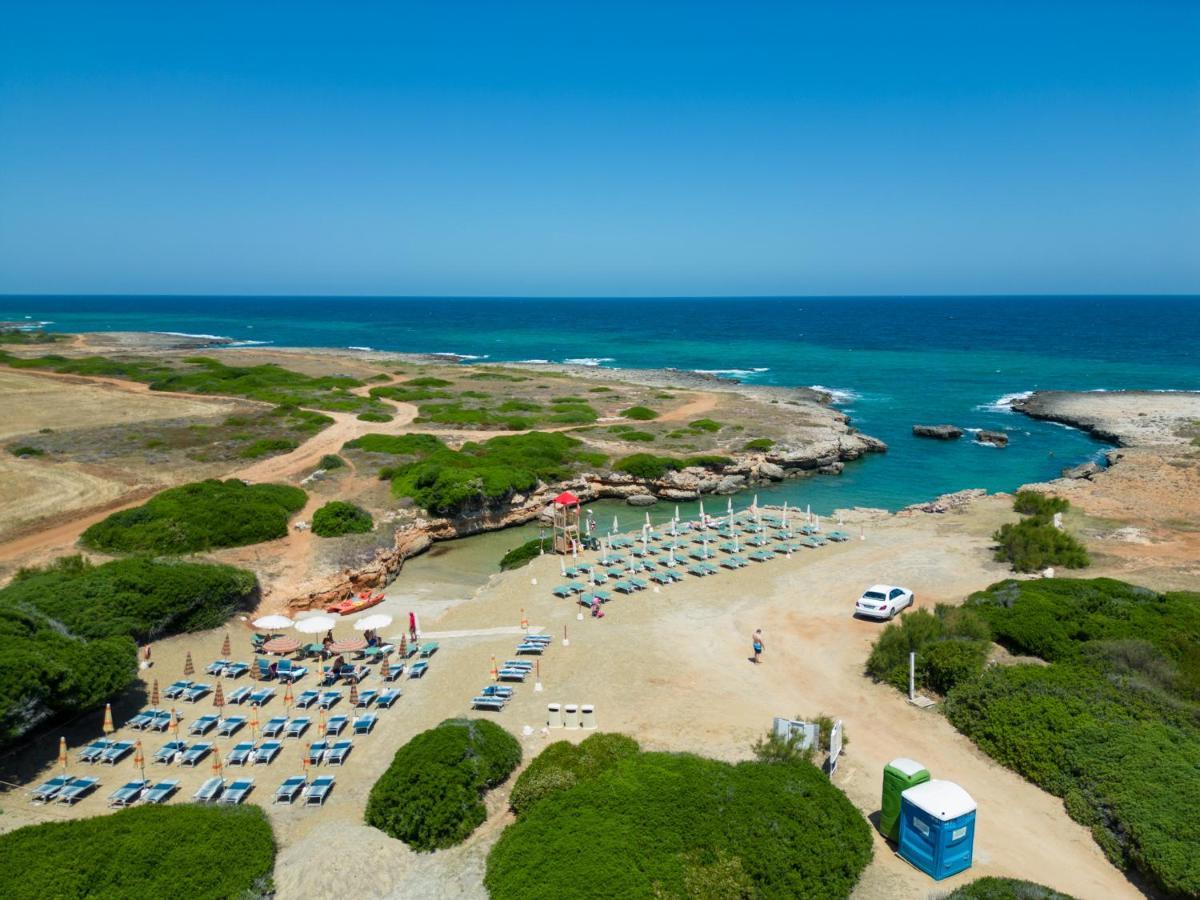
[337, 518]
[1035, 543]
[991, 888]
[201, 852]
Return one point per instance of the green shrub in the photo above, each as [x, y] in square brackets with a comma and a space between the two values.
[992, 888]
[647, 465]
[1034, 544]
[1032, 503]
[205, 515]
[600, 390]
[374, 417]
[407, 395]
[619, 429]
[30, 336]
[331, 461]
[639, 413]
[338, 517]
[496, 376]
[759, 444]
[519, 556]
[267, 446]
[431, 796]
[24, 450]
[676, 825]
[182, 850]
[428, 381]
[643, 437]
[519, 406]
[706, 425]
[951, 644]
[563, 764]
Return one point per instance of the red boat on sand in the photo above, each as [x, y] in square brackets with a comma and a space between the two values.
[347, 607]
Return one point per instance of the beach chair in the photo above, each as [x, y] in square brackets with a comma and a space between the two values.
[410, 650]
[290, 789]
[240, 754]
[698, 571]
[354, 673]
[418, 669]
[378, 654]
[393, 672]
[266, 752]
[562, 591]
[240, 695]
[196, 692]
[142, 719]
[117, 752]
[210, 790]
[337, 725]
[518, 664]
[236, 792]
[496, 690]
[160, 722]
[729, 563]
[741, 561]
[329, 676]
[175, 690]
[217, 666]
[161, 791]
[261, 697]
[537, 638]
[264, 670]
[230, 725]
[307, 699]
[77, 790]
[290, 671]
[512, 674]
[639, 583]
[297, 726]
[364, 723]
[535, 647]
[93, 751]
[49, 790]
[195, 754]
[366, 698]
[275, 726]
[167, 753]
[496, 704]
[660, 578]
[128, 793]
[838, 536]
[204, 724]
[236, 670]
[387, 698]
[317, 751]
[318, 791]
[587, 601]
[427, 650]
[337, 754]
[624, 587]
[329, 699]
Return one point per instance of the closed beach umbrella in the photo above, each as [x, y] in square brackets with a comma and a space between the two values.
[315, 624]
[321, 724]
[353, 693]
[154, 698]
[254, 719]
[702, 511]
[403, 646]
[189, 667]
[108, 719]
[174, 723]
[754, 503]
[139, 758]
[373, 622]
[216, 763]
[647, 518]
[226, 647]
[287, 696]
[675, 518]
[495, 673]
[706, 546]
[62, 753]
[735, 543]
[562, 566]
[219, 697]
[304, 760]
[616, 526]
[270, 623]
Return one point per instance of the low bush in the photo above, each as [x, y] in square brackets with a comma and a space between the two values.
[268, 446]
[337, 517]
[1033, 503]
[182, 850]
[331, 461]
[675, 826]
[647, 465]
[1034, 544]
[428, 381]
[708, 461]
[951, 645]
[374, 417]
[643, 437]
[431, 796]
[519, 556]
[759, 444]
[992, 888]
[600, 390]
[563, 764]
[639, 413]
[23, 450]
[706, 425]
[205, 515]
[30, 336]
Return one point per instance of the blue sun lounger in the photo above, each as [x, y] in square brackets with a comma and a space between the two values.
[661, 578]
[317, 751]
[142, 719]
[167, 753]
[266, 752]
[196, 692]
[240, 754]
[497, 690]
[236, 670]
[175, 690]
[329, 699]
[838, 536]
[338, 752]
[93, 751]
[307, 699]
[394, 672]
[77, 790]
[195, 754]
[337, 725]
[518, 664]
[496, 704]
[204, 724]
[353, 673]
[236, 792]
[290, 789]
[536, 647]
[387, 698]
[513, 674]
[537, 639]
[427, 650]
[116, 753]
[290, 671]
[297, 726]
[160, 722]
[216, 667]
[161, 791]
[318, 792]
[418, 669]
[49, 790]
[366, 698]
[128, 793]
[261, 697]
[230, 725]
[241, 695]
[364, 723]
[275, 726]
[210, 790]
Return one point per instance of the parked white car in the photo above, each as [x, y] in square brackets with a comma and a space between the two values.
[883, 601]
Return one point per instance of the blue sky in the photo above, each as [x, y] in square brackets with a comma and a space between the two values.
[599, 148]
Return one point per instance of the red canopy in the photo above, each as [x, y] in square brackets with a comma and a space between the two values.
[566, 498]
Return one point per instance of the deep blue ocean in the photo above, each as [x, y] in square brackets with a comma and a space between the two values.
[890, 361]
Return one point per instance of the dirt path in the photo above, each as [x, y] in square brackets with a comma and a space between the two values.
[693, 409]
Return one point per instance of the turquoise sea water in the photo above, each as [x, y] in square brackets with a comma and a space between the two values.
[891, 361]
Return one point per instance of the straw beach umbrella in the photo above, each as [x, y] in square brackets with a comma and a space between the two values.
[254, 721]
[216, 763]
[139, 758]
[226, 647]
[108, 719]
[189, 668]
[288, 699]
[404, 646]
[154, 698]
[62, 753]
[174, 723]
[321, 726]
[219, 697]
[495, 673]
[353, 694]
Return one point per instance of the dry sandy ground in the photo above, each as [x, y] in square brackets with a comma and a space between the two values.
[671, 669]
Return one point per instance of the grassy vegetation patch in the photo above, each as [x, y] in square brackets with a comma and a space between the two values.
[67, 631]
[408, 394]
[331, 461]
[374, 417]
[660, 825]
[644, 437]
[204, 515]
[522, 555]
[428, 381]
[496, 376]
[1034, 543]
[647, 465]
[639, 413]
[563, 765]
[708, 425]
[338, 517]
[268, 447]
[431, 796]
[992, 888]
[182, 850]
[27, 337]
[951, 644]
[759, 444]
[24, 450]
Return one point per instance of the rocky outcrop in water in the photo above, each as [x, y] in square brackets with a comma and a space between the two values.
[941, 432]
[995, 438]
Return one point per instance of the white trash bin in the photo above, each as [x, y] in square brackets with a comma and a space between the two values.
[571, 716]
[587, 716]
[554, 717]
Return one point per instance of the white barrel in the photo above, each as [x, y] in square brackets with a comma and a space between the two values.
[554, 717]
[587, 716]
[571, 716]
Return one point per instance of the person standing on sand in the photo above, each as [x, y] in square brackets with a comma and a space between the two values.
[412, 626]
[757, 641]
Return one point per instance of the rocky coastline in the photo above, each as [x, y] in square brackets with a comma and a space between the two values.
[1123, 418]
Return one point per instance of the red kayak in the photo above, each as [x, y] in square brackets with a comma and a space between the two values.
[365, 600]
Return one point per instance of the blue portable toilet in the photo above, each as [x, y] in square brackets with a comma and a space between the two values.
[937, 828]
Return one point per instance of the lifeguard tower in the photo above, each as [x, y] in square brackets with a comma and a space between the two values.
[566, 522]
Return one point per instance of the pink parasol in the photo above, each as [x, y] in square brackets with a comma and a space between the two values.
[281, 645]
[348, 645]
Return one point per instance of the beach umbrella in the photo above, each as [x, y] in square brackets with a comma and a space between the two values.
[288, 699]
[375, 621]
[108, 719]
[154, 698]
[818, 523]
[304, 760]
[216, 763]
[353, 693]
[808, 511]
[349, 645]
[754, 503]
[672, 554]
[321, 724]
[280, 645]
[701, 512]
[254, 719]
[219, 697]
[315, 624]
[524, 620]
[270, 623]
[139, 758]
[616, 526]
[729, 506]
[62, 753]
[174, 723]
[403, 646]
[706, 546]
[562, 567]
[676, 517]
[495, 673]
[735, 543]
[785, 511]
[189, 667]
[226, 647]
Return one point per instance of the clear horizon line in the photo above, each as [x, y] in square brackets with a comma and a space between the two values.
[836, 296]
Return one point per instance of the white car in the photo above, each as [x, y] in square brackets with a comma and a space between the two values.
[883, 601]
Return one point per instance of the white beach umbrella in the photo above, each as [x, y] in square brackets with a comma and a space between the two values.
[373, 622]
[270, 623]
[735, 543]
[706, 546]
[754, 504]
[701, 512]
[672, 554]
[315, 624]
[647, 518]
[676, 519]
[785, 511]
[729, 506]
[818, 523]
[562, 566]
[808, 512]
[616, 526]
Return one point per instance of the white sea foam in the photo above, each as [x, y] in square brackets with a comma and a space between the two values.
[588, 360]
[458, 355]
[363, 349]
[534, 362]
[1003, 404]
[207, 337]
[249, 343]
[839, 395]
[732, 373]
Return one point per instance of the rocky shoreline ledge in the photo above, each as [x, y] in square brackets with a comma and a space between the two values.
[1124, 418]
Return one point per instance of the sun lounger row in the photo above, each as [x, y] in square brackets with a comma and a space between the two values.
[314, 792]
[224, 668]
[332, 754]
[217, 790]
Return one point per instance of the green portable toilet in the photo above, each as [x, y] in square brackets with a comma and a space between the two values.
[898, 776]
